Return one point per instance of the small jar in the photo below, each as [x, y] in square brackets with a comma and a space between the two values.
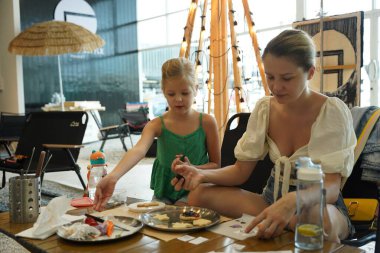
[310, 200]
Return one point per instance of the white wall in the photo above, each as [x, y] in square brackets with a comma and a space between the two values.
[11, 75]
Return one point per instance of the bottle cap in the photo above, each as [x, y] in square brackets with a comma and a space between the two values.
[97, 157]
[303, 161]
[310, 173]
[307, 170]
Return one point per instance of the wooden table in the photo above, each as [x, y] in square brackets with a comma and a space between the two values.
[143, 243]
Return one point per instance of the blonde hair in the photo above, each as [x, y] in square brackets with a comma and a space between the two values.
[178, 67]
[294, 44]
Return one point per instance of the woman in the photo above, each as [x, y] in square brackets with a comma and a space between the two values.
[295, 121]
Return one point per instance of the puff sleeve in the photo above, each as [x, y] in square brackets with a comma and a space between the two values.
[333, 139]
[252, 145]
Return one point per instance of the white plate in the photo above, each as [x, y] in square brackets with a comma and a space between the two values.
[117, 234]
[134, 208]
[174, 212]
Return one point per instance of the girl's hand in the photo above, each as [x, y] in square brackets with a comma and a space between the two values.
[104, 190]
[180, 159]
[273, 219]
[192, 177]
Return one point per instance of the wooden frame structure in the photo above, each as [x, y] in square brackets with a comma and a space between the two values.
[218, 61]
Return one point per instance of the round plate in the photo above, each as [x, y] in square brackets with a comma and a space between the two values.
[134, 208]
[117, 234]
[173, 212]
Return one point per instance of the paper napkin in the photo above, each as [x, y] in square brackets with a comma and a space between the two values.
[50, 219]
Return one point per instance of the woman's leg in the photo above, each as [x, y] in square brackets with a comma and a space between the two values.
[335, 224]
[228, 201]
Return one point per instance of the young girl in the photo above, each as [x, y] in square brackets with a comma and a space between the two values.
[295, 121]
[183, 136]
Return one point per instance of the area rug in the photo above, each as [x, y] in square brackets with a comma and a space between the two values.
[49, 191]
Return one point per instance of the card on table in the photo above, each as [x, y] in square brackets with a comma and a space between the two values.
[235, 228]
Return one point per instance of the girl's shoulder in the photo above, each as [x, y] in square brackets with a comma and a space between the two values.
[208, 120]
[154, 125]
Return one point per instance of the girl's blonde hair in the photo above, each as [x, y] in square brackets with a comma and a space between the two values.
[178, 67]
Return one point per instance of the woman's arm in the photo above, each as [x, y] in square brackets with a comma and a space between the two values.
[272, 221]
[228, 176]
[332, 185]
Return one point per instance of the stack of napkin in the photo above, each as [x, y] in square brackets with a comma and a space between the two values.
[50, 219]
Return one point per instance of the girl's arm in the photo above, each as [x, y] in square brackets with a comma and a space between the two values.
[212, 142]
[106, 186]
[138, 152]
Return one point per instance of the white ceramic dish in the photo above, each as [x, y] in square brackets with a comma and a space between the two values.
[117, 234]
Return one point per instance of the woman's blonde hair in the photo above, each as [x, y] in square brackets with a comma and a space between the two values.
[294, 44]
[178, 67]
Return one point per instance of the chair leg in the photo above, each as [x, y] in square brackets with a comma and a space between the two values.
[122, 142]
[76, 167]
[129, 134]
[77, 170]
[104, 141]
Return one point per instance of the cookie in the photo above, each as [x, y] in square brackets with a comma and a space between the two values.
[189, 216]
[181, 225]
[147, 204]
[201, 222]
[161, 226]
[161, 217]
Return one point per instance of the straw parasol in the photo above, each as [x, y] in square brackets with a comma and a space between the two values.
[55, 38]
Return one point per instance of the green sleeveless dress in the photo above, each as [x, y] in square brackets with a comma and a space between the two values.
[169, 145]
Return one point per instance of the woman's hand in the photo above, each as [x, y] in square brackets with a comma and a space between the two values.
[191, 177]
[273, 219]
[179, 160]
[104, 190]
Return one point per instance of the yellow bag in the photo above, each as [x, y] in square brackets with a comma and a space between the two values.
[361, 209]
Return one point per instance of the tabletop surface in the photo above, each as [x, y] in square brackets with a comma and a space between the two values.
[140, 242]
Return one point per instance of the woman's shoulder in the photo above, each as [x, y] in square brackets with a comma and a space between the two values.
[262, 106]
[336, 105]
[335, 111]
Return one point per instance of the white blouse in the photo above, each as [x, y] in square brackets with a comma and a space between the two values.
[332, 142]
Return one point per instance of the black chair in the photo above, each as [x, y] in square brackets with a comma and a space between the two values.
[360, 186]
[112, 132]
[259, 176]
[11, 126]
[358, 189]
[58, 133]
[136, 120]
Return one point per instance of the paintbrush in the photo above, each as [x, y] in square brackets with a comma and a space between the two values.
[115, 222]
[30, 161]
[40, 163]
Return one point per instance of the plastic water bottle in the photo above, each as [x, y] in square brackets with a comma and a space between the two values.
[96, 171]
[310, 199]
[96, 175]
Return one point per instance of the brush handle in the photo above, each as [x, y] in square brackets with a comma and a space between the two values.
[94, 217]
[40, 163]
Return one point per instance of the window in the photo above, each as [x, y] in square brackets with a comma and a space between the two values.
[333, 7]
